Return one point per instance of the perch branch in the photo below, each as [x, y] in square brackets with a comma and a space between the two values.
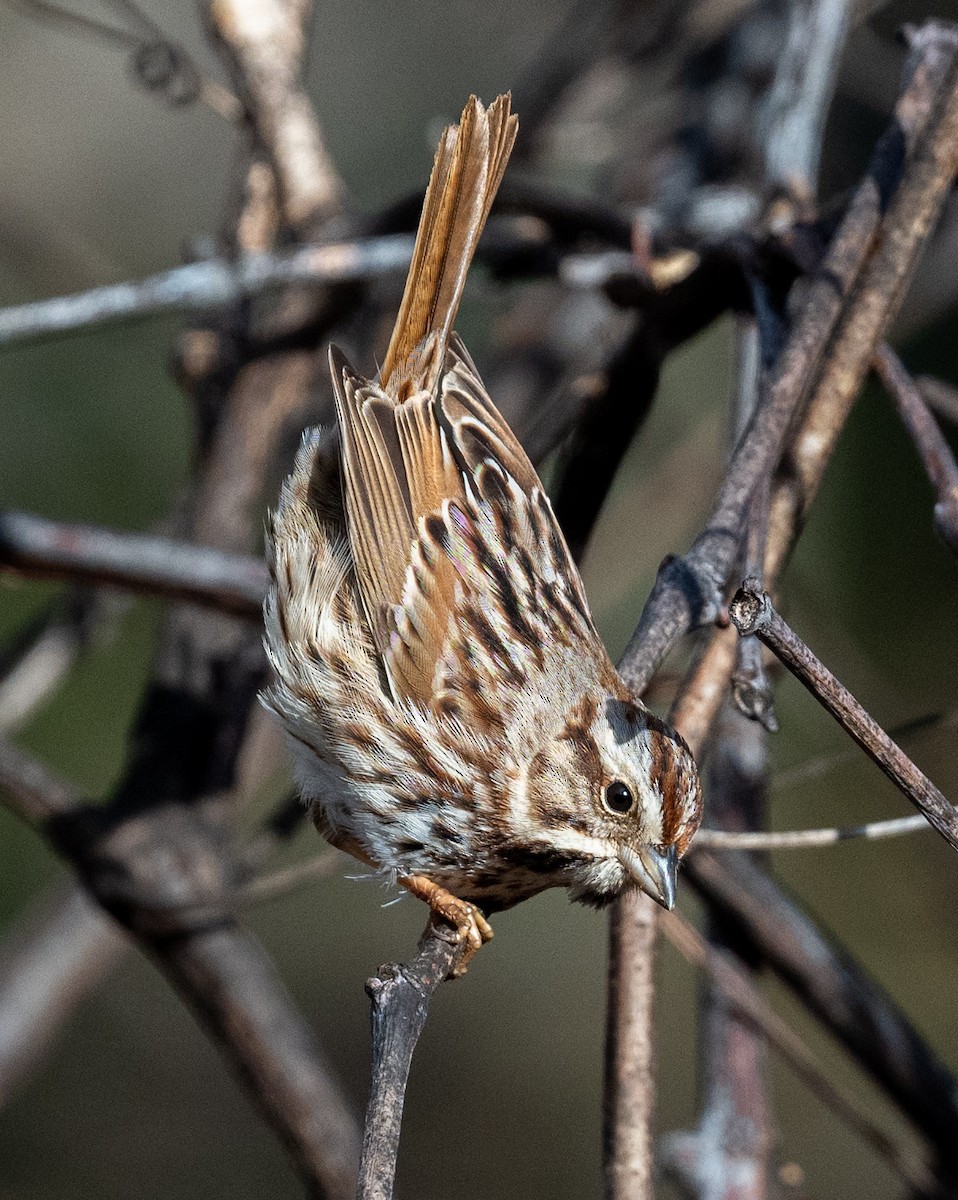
[752, 613]
[400, 996]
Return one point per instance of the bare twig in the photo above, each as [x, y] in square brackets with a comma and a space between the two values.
[400, 996]
[158, 65]
[929, 440]
[736, 985]
[752, 613]
[941, 396]
[135, 562]
[208, 284]
[800, 839]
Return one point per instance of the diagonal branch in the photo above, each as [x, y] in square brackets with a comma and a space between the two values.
[753, 614]
[930, 442]
[848, 305]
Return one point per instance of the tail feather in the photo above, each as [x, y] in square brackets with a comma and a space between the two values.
[466, 174]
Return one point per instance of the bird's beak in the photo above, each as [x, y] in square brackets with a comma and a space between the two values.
[653, 870]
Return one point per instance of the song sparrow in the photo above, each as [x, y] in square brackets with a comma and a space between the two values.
[455, 719]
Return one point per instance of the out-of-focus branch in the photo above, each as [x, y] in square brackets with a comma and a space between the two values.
[36, 794]
[264, 42]
[728, 1152]
[209, 284]
[836, 989]
[941, 396]
[737, 987]
[157, 854]
[753, 614]
[799, 100]
[929, 441]
[48, 966]
[40, 655]
[136, 562]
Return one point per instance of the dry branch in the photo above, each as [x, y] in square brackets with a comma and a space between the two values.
[753, 614]
[136, 562]
[929, 441]
[400, 995]
[851, 1005]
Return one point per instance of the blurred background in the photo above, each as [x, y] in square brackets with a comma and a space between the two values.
[102, 183]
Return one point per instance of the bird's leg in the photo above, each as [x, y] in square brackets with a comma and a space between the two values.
[471, 926]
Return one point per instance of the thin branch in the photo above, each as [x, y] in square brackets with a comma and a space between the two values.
[930, 442]
[160, 66]
[752, 613]
[821, 764]
[136, 562]
[42, 652]
[289, 879]
[800, 839]
[212, 283]
[941, 396]
[400, 996]
[737, 986]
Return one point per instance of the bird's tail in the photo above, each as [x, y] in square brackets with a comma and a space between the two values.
[466, 174]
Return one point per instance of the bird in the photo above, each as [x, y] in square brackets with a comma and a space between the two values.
[454, 719]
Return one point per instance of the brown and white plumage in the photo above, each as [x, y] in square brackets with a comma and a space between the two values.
[455, 718]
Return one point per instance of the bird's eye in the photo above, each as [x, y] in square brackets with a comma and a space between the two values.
[618, 797]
